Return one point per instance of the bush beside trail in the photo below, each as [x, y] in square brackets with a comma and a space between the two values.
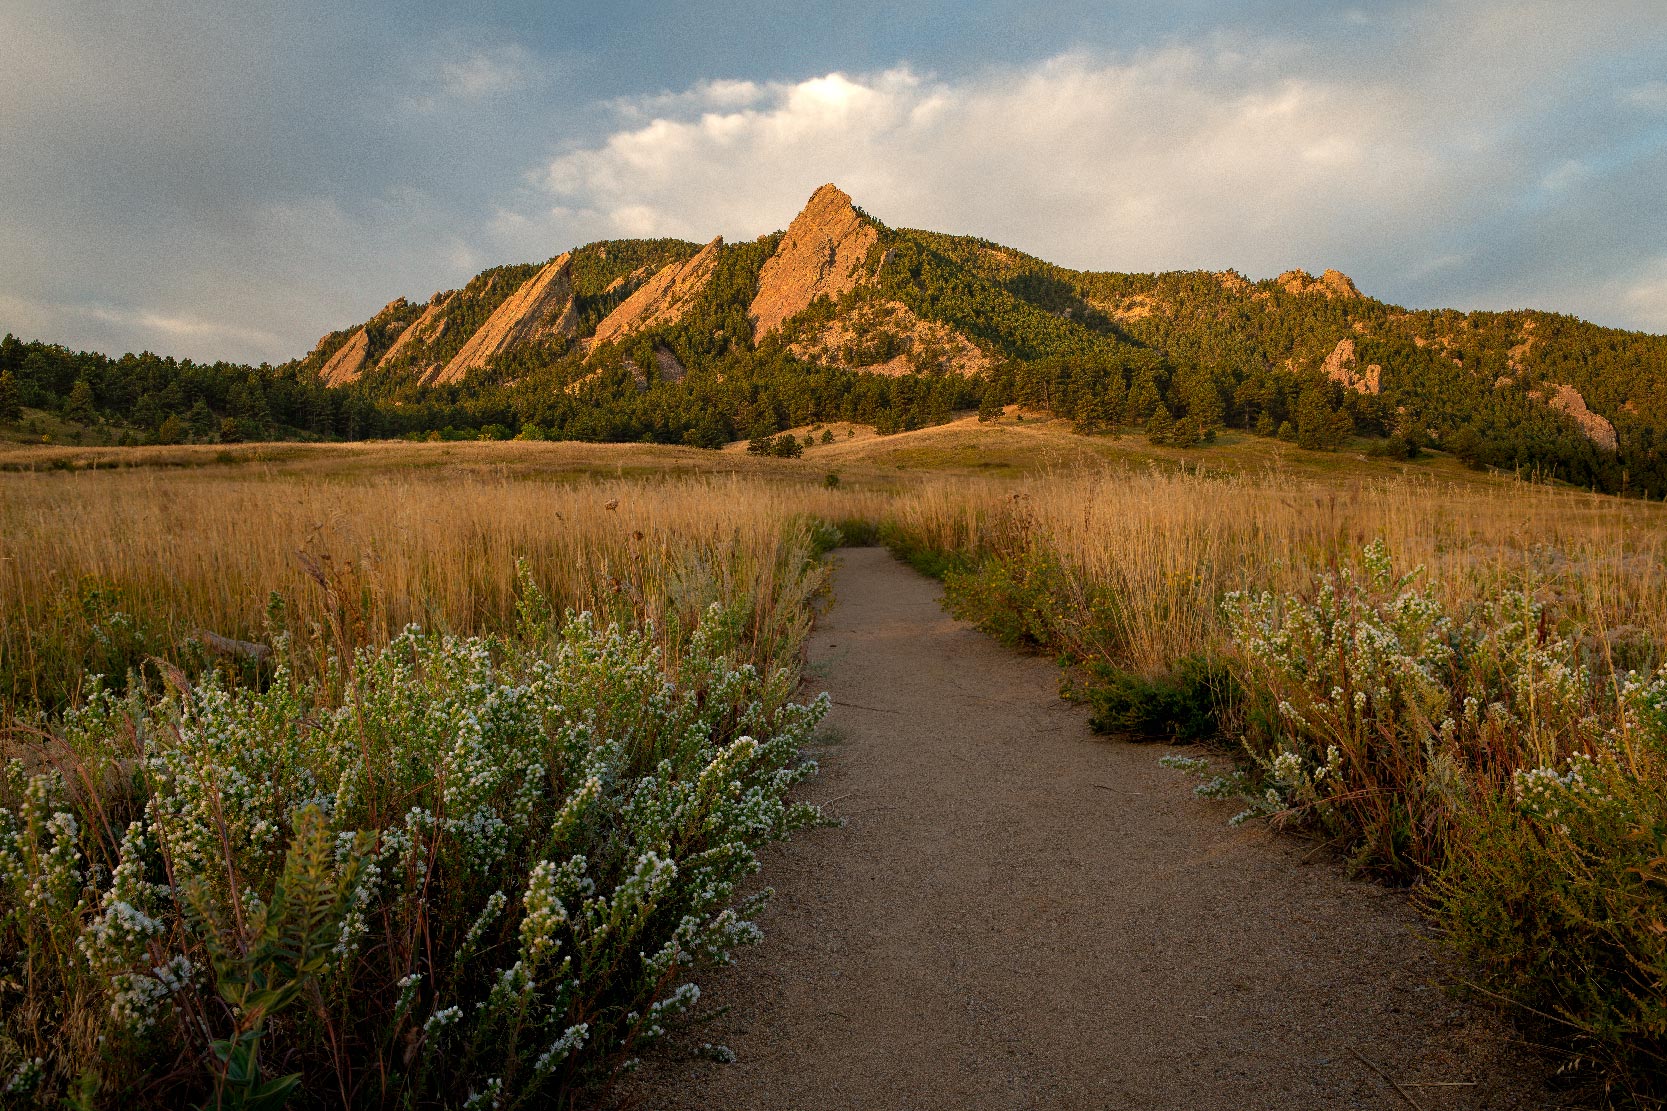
[1499, 741]
[452, 871]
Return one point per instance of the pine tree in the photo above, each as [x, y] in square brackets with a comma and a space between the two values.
[989, 407]
[1160, 429]
[200, 421]
[78, 407]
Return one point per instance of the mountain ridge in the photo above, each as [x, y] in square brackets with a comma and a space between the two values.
[840, 317]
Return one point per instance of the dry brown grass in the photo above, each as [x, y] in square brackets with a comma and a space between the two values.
[1170, 544]
[199, 537]
[438, 545]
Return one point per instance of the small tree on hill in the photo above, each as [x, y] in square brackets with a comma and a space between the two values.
[1160, 428]
[989, 407]
[200, 421]
[79, 406]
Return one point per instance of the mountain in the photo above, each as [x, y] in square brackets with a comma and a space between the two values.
[841, 317]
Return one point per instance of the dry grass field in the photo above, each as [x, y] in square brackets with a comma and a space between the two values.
[1452, 677]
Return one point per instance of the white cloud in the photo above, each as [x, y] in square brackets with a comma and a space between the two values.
[1414, 175]
[485, 72]
[1174, 158]
[165, 331]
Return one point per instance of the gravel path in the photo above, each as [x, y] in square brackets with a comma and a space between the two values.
[1017, 914]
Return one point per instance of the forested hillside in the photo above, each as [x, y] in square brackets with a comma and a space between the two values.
[843, 318]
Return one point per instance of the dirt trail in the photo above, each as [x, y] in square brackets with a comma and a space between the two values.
[1017, 914]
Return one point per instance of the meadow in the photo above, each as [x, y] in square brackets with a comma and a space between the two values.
[356, 791]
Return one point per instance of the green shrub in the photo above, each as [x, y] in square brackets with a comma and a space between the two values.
[1480, 751]
[1188, 704]
[1014, 598]
[858, 532]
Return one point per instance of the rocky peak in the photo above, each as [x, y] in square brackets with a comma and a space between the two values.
[427, 328]
[1332, 283]
[662, 299]
[541, 309]
[822, 253]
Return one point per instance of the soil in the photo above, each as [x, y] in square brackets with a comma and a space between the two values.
[1018, 914]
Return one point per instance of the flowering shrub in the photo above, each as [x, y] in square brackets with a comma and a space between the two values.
[481, 876]
[1482, 752]
[1382, 714]
[1556, 891]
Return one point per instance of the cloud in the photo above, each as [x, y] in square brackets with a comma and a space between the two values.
[231, 179]
[1257, 154]
[162, 331]
[1651, 95]
[485, 73]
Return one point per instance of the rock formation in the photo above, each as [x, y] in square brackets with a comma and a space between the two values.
[822, 252]
[430, 326]
[1567, 400]
[669, 366]
[1342, 367]
[911, 344]
[542, 309]
[663, 298]
[1333, 283]
[348, 362]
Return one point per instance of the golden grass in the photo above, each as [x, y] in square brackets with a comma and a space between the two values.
[204, 549]
[1170, 544]
[198, 537]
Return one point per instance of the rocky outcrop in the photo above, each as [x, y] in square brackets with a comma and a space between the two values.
[662, 299]
[1342, 367]
[1333, 283]
[1567, 400]
[348, 362]
[539, 311]
[428, 328]
[886, 337]
[822, 253]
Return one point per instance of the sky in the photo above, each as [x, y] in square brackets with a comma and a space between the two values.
[228, 179]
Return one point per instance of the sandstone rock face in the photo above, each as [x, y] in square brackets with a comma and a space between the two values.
[430, 326]
[822, 253]
[348, 362]
[663, 298]
[1126, 310]
[1333, 283]
[1567, 400]
[542, 309]
[891, 329]
[1341, 366]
